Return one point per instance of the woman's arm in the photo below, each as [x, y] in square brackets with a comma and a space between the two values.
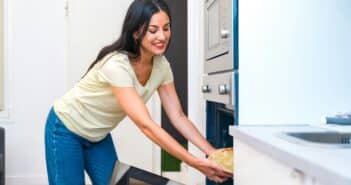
[135, 108]
[170, 102]
[138, 113]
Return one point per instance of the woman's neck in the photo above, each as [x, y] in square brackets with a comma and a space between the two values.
[145, 58]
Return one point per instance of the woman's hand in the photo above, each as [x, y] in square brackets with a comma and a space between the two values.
[212, 170]
[212, 151]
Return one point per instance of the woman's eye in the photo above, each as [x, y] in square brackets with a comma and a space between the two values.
[152, 31]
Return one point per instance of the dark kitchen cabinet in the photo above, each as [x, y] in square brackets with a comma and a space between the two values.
[177, 54]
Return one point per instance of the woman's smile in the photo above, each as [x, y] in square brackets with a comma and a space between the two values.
[159, 45]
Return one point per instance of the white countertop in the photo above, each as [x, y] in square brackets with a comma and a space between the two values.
[329, 165]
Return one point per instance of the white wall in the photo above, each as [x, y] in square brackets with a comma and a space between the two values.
[90, 26]
[294, 60]
[35, 53]
[37, 74]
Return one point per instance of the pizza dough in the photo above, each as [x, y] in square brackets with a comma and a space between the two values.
[224, 158]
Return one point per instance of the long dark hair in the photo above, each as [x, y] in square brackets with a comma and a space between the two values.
[138, 16]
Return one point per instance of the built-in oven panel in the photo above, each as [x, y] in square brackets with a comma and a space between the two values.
[218, 35]
[219, 64]
[219, 88]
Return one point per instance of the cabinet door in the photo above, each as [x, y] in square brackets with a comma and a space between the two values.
[218, 27]
[255, 168]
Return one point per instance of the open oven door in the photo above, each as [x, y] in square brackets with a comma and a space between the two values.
[124, 174]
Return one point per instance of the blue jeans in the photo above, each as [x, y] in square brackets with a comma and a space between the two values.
[68, 155]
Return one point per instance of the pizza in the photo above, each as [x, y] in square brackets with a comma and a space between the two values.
[224, 158]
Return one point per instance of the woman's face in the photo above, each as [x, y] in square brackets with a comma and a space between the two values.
[157, 35]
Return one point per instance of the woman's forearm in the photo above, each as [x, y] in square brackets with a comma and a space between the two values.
[190, 132]
[168, 143]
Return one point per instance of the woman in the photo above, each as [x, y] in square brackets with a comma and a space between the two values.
[118, 84]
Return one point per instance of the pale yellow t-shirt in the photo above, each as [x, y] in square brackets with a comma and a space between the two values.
[90, 109]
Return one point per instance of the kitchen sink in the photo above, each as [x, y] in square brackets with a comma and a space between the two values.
[327, 139]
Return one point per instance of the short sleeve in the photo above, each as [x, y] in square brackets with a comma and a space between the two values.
[116, 73]
[168, 75]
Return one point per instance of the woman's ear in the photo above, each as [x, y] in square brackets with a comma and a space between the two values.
[135, 35]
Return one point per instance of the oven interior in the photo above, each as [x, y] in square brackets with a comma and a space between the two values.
[218, 119]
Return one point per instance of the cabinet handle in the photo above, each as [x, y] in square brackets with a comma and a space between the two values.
[225, 34]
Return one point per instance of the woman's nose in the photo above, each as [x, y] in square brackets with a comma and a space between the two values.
[162, 35]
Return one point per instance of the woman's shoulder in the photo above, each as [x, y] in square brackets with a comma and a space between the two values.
[114, 60]
[118, 56]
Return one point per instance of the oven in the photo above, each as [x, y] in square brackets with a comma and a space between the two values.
[219, 92]
[220, 78]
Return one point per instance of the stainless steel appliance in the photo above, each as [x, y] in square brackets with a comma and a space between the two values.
[221, 48]
[124, 174]
[220, 81]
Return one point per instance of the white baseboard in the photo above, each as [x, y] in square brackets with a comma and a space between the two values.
[28, 180]
[31, 180]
